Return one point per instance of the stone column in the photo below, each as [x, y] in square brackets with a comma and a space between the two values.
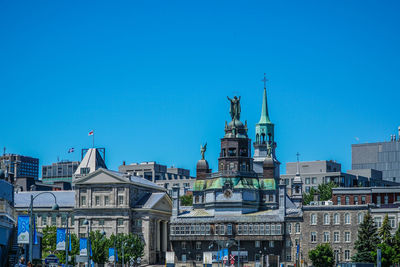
[158, 235]
[165, 236]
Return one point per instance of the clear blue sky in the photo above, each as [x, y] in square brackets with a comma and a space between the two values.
[151, 77]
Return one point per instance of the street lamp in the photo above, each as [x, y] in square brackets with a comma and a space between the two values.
[86, 222]
[232, 242]
[55, 207]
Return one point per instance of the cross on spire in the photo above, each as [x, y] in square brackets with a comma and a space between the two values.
[265, 80]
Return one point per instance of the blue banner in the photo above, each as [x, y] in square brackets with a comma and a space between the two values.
[60, 244]
[111, 254]
[83, 247]
[70, 245]
[223, 254]
[23, 229]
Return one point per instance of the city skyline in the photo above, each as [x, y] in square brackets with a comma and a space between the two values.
[147, 84]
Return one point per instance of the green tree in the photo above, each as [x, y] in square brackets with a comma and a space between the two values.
[322, 256]
[367, 240]
[99, 244]
[387, 254]
[187, 200]
[133, 246]
[325, 191]
[308, 197]
[396, 246]
[384, 231]
[49, 240]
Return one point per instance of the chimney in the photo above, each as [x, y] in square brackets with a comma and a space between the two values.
[123, 163]
[175, 201]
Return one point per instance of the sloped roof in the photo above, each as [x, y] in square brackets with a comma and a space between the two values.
[91, 160]
[65, 199]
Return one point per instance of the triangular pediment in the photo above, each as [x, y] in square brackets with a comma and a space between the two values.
[160, 202]
[102, 176]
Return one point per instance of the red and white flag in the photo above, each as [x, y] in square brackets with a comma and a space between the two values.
[91, 133]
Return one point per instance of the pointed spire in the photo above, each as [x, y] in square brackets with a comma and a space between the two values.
[264, 111]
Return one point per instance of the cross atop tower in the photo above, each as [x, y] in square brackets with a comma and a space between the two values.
[265, 80]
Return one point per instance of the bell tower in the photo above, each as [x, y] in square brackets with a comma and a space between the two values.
[264, 145]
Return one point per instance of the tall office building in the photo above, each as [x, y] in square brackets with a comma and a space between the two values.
[59, 172]
[20, 166]
[382, 156]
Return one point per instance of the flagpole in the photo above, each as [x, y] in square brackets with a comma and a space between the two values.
[93, 139]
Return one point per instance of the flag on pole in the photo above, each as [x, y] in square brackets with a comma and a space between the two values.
[91, 133]
[71, 150]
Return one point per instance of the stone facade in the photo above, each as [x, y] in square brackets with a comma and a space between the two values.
[336, 225]
[117, 203]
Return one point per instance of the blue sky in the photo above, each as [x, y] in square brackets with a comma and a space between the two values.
[151, 77]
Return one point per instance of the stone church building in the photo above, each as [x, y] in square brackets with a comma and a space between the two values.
[240, 210]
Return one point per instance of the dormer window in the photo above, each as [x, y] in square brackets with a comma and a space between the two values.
[85, 170]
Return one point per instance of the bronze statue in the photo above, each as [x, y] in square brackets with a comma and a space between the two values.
[235, 108]
[203, 150]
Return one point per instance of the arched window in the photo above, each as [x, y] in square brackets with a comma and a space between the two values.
[297, 189]
[360, 218]
[336, 218]
[257, 138]
[326, 218]
[313, 219]
[297, 228]
[347, 218]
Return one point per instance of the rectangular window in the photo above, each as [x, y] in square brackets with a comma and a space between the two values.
[202, 229]
[250, 229]
[229, 229]
[183, 257]
[222, 229]
[256, 232]
[339, 200]
[386, 199]
[257, 244]
[197, 229]
[198, 245]
[120, 200]
[378, 221]
[289, 228]
[314, 180]
[278, 229]
[271, 244]
[83, 200]
[307, 180]
[183, 245]
[392, 222]
[208, 229]
[63, 220]
[187, 229]
[97, 200]
[267, 231]
[356, 200]
[262, 229]
[347, 237]
[53, 220]
[326, 237]
[44, 220]
[336, 237]
[378, 200]
[347, 199]
[273, 229]
[106, 200]
[362, 199]
[101, 222]
[313, 237]
[347, 255]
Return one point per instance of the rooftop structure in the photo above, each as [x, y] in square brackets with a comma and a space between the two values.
[92, 159]
[17, 166]
[59, 172]
[382, 156]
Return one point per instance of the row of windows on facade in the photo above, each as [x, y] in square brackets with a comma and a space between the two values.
[336, 218]
[106, 200]
[232, 152]
[347, 256]
[232, 166]
[120, 222]
[43, 219]
[326, 237]
[363, 200]
[228, 229]
[310, 180]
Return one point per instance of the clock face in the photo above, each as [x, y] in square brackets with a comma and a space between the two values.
[228, 193]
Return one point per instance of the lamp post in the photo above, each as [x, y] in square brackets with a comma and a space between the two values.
[86, 222]
[123, 260]
[55, 207]
[232, 242]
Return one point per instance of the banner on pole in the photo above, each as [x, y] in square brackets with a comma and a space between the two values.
[60, 239]
[207, 258]
[170, 257]
[111, 255]
[83, 247]
[23, 229]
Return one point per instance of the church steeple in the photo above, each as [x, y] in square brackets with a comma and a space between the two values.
[264, 110]
[265, 128]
